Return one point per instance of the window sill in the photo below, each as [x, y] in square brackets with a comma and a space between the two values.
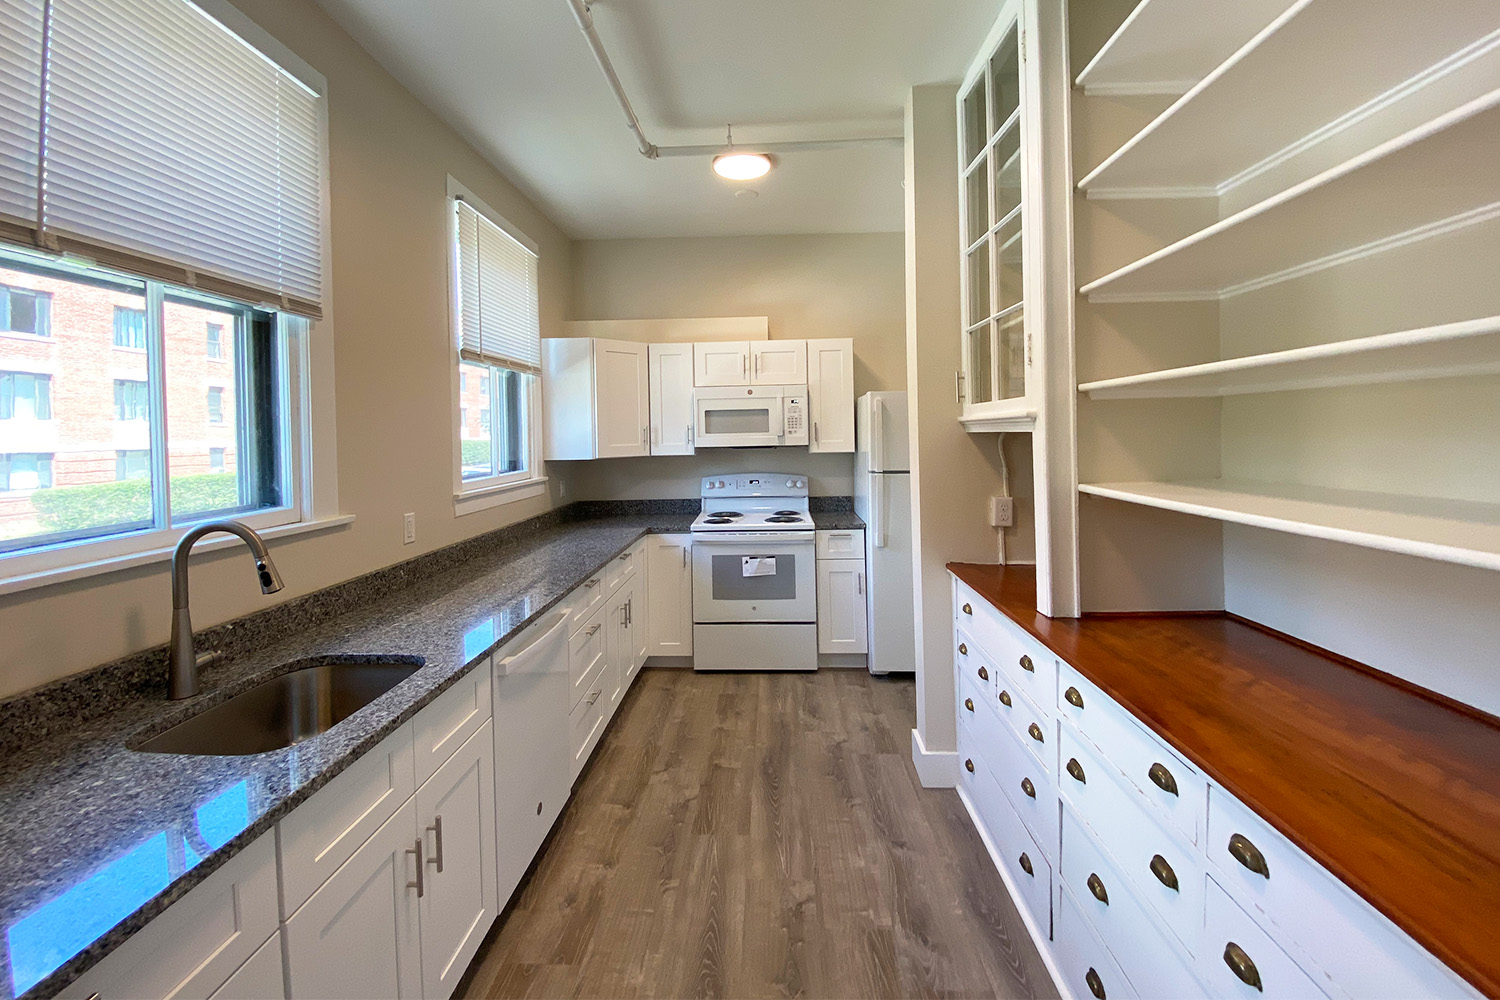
[114, 564]
[494, 496]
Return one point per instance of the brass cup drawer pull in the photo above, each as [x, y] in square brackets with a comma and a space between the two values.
[969, 765]
[984, 674]
[1028, 788]
[968, 608]
[1248, 855]
[1241, 965]
[1076, 770]
[963, 649]
[1096, 985]
[1164, 873]
[1072, 697]
[1027, 665]
[1162, 778]
[1096, 886]
[1005, 698]
[1035, 731]
[969, 704]
[1025, 862]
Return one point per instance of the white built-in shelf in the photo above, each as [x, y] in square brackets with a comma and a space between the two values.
[1453, 531]
[1471, 347]
[1433, 179]
[1166, 46]
[1307, 75]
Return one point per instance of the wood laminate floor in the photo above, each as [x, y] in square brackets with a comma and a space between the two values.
[761, 835]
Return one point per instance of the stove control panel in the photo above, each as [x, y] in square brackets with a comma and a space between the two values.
[755, 484]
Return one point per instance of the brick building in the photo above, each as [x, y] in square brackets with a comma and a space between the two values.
[75, 397]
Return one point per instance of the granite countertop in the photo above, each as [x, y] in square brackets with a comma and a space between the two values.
[97, 839]
[836, 520]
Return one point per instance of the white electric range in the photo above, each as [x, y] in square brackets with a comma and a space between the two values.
[754, 581]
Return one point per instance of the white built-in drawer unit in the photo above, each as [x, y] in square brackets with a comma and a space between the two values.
[587, 654]
[586, 599]
[1027, 866]
[455, 715]
[840, 544]
[1240, 960]
[1087, 967]
[1031, 665]
[622, 567]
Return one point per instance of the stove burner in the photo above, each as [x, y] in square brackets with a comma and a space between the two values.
[718, 520]
[788, 513]
[725, 513]
[782, 519]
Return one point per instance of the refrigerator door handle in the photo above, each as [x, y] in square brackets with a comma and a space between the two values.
[877, 436]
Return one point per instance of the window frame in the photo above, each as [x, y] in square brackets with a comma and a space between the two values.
[471, 495]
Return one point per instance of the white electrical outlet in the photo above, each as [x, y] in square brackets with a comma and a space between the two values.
[1002, 512]
[409, 528]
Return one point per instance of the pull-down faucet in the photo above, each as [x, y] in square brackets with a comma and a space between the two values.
[182, 666]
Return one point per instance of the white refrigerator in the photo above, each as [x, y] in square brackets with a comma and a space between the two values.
[882, 499]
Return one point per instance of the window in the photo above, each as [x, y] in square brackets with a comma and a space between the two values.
[25, 472]
[216, 460]
[132, 465]
[216, 341]
[498, 348]
[130, 328]
[24, 396]
[215, 405]
[23, 310]
[131, 402]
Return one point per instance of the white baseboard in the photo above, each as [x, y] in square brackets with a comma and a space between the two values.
[1040, 936]
[935, 768]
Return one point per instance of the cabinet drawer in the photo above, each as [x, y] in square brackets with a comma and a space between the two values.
[841, 544]
[198, 942]
[1086, 965]
[1029, 665]
[587, 650]
[261, 977]
[586, 723]
[1239, 960]
[1314, 915]
[972, 664]
[1128, 929]
[586, 598]
[325, 831]
[1031, 791]
[1166, 873]
[1172, 786]
[1029, 869]
[620, 568]
[447, 723]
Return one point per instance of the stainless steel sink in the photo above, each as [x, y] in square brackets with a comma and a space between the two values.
[286, 709]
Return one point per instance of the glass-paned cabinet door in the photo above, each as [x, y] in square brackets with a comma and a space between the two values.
[991, 186]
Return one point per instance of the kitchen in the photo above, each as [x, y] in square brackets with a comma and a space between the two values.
[1143, 360]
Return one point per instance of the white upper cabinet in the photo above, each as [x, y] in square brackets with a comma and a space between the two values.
[596, 396]
[778, 362]
[726, 363]
[671, 380]
[830, 394]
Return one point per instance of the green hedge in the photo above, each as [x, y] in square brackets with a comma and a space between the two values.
[476, 452]
[69, 508]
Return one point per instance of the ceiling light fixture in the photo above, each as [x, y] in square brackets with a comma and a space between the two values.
[737, 166]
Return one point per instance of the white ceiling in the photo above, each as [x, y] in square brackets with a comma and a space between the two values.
[517, 79]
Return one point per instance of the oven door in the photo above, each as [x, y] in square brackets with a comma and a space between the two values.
[754, 577]
[738, 421]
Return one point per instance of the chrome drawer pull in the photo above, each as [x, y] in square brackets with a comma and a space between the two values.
[1028, 788]
[984, 674]
[1076, 770]
[594, 629]
[963, 649]
[1072, 697]
[969, 765]
[1248, 855]
[1240, 964]
[1096, 987]
[1036, 732]
[1163, 872]
[968, 609]
[1096, 886]
[1026, 864]
[592, 583]
[1026, 664]
[1162, 778]
[969, 704]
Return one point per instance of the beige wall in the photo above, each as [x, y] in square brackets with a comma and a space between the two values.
[808, 286]
[389, 160]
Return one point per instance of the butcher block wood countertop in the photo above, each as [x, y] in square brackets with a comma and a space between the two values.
[1393, 789]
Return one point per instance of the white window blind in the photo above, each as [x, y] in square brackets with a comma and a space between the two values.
[497, 295]
[20, 111]
[172, 148]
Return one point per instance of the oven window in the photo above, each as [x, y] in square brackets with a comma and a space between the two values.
[735, 420]
[731, 584]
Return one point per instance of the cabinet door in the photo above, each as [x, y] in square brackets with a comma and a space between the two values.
[778, 362]
[358, 935]
[722, 363]
[261, 978]
[456, 808]
[669, 596]
[671, 398]
[617, 657]
[830, 395]
[841, 606]
[622, 414]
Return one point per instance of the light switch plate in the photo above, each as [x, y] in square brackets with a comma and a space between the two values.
[409, 528]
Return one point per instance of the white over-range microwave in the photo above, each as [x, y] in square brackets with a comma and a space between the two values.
[750, 416]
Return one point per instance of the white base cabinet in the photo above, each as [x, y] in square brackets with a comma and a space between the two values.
[261, 977]
[842, 627]
[669, 595]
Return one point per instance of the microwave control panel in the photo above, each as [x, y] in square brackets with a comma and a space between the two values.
[796, 416]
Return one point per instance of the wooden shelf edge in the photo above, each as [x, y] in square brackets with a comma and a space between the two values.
[1219, 500]
[1277, 370]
